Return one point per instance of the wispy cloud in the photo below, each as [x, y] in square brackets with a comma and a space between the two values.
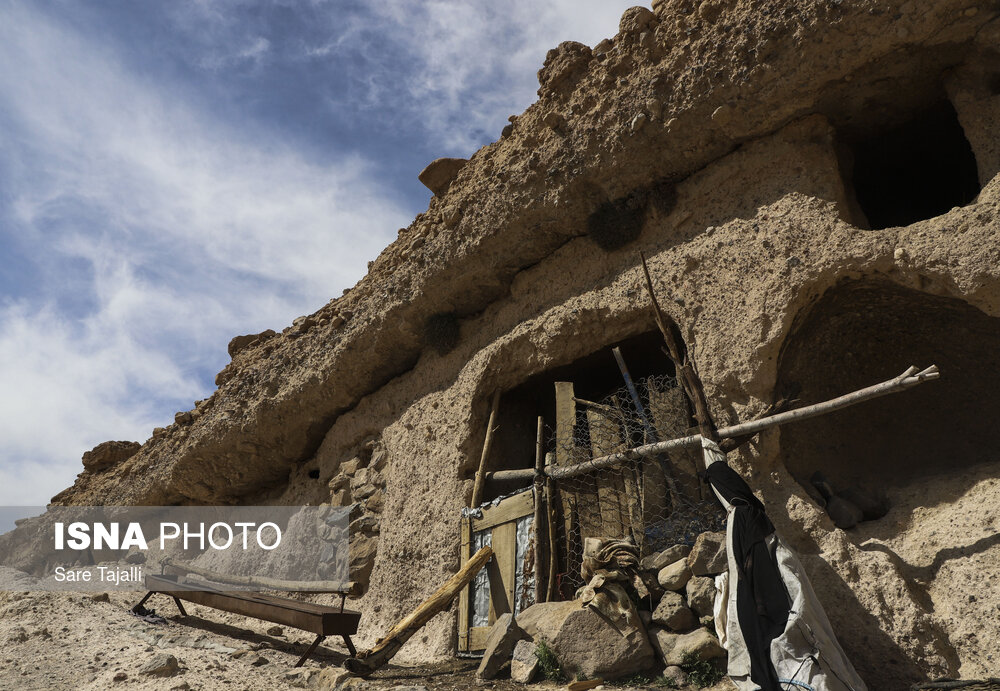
[146, 219]
[159, 233]
[467, 65]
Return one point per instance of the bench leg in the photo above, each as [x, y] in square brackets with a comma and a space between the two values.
[140, 603]
[309, 651]
[350, 645]
[180, 607]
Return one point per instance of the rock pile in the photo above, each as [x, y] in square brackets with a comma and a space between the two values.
[652, 616]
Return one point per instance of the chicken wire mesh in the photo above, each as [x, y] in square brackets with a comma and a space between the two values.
[657, 501]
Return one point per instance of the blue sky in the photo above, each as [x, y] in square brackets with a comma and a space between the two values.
[178, 172]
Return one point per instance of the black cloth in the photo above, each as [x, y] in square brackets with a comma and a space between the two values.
[762, 602]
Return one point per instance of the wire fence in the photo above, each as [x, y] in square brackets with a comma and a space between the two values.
[656, 502]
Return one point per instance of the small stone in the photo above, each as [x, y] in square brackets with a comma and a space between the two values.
[275, 631]
[673, 613]
[452, 215]
[101, 597]
[700, 592]
[524, 662]
[638, 122]
[674, 576]
[507, 130]
[654, 107]
[135, 557]
[183, 686]
[708, 556]
[238, 653]
[259, 661]
[675, 676]
[899, 254]
[161, 665]
[120, 676]
[971, 12]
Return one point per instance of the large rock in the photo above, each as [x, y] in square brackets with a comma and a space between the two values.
[700, 592]
[439, 174]
[672, 648]
[609, 644]
[109, 453]
[708, 556]
[524, 662]
[500, 643]
[674, 576]
[655, 562]
[673, 613]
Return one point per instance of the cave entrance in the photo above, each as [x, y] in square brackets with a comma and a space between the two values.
[915, 170]
[594, 377]
[863, 332]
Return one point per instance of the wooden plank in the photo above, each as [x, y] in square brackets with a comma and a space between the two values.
[605, 438]
[509, 509]
[477, 487]
[565, 422]
[505, 547]
[477, 637]
[464, 598]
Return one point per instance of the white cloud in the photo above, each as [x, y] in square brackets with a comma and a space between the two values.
[176, 231]
[473, 64]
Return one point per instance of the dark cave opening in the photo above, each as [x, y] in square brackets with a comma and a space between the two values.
[915, 170]
[863, 332]
[594, 376]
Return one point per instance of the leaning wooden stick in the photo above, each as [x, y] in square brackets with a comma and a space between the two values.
[686, 373]
[368, 661]
[910, 378]
[477, 490]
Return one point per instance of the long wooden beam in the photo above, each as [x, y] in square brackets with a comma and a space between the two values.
[908, 379]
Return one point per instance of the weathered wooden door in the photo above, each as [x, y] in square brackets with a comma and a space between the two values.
[505, 585]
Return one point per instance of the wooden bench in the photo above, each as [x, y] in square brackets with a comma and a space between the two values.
[323, 620]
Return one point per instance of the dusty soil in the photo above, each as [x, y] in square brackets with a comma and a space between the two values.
[57, 641]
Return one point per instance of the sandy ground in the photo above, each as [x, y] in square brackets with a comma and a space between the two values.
[55, 641]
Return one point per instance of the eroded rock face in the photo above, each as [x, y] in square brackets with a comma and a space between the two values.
[745, 110]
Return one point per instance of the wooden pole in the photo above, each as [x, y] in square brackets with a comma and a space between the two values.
[368, 661]
[541, 533]
[477, 490]
[906, 380]
[550, 511]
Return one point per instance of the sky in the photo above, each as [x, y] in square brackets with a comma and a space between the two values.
[174, 173]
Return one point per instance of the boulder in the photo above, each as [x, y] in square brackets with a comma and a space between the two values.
[109, 453]
[672, 648]
[161, 665]
[439, 174]
[675, 576]
[607, 643]
[655, 562]
[673, 613]
[708, 556]
[845, 514]
[700, 591]
[675, 677]
[503, 636]
[524, 662]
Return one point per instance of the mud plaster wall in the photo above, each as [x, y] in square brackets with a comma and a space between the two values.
[758, 235]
